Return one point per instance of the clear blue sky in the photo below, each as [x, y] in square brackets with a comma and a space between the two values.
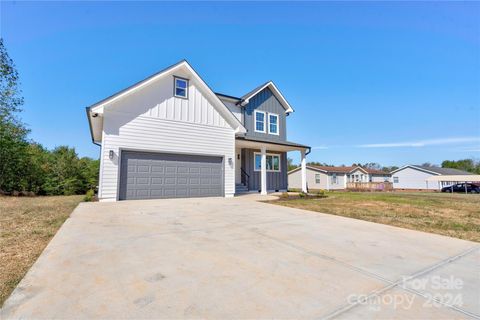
[370, 82]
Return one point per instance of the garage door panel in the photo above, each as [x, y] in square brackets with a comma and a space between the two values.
[143, 181]
[156, 168]
[157, 193]
[170, 180]
[170, 169]
[155, 175]
[157, 181]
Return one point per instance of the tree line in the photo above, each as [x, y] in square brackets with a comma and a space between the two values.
[26, 167]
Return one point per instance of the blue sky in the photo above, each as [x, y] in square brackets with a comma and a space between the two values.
[378, 82]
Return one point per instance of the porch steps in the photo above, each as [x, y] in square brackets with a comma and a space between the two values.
[240, 188]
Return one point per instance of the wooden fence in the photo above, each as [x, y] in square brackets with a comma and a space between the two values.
[370, 186]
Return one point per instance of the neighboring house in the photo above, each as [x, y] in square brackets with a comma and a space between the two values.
[171, 136]
[335, 178]
[415, 177]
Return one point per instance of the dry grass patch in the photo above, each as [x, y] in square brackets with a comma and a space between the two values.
[454, 215]
[26, 227]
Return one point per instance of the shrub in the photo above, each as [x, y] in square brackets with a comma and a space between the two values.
[284, 195]
[89, 196]
[302, 195]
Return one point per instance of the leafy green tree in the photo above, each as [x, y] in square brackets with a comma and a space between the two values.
[290, 165]
[27, 166]
[89, 170]
[13, 133]
[470, 165]
[372, 165]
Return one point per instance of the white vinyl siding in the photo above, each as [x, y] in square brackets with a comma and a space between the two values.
[295, 180]
[158, 101]
[153, 120]
[409, 178]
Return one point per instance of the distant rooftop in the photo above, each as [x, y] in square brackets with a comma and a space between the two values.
[444, 171]
[347, 169]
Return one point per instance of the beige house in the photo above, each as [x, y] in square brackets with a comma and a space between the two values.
[335, 178]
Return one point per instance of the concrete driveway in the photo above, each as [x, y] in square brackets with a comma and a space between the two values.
[239, 258]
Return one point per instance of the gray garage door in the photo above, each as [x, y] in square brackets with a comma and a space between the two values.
[145, 175]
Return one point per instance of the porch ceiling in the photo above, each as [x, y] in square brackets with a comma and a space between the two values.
[283, 146]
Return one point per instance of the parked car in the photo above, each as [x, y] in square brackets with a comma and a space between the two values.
[460, 187]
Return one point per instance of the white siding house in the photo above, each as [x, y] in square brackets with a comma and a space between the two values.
[170, 136]
[317, 179]
[151, 118]
[414, 177]
[335, 178]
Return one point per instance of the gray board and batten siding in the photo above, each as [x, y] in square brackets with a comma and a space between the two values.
[265, 101]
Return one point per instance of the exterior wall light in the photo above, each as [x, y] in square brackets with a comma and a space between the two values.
[110, 154]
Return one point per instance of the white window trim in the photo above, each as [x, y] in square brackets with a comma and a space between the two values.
[317, 178]
[264, 121]
[278, 124]
[396, 180]
[268, 154]
[334, 178]
[175, 87]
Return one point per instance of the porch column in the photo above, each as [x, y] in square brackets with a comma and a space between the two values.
[263, 172]
[304, 171]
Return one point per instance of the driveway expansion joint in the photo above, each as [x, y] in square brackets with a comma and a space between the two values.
[391, 284]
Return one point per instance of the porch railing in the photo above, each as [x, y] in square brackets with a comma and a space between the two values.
[245, 177]
[370, 186]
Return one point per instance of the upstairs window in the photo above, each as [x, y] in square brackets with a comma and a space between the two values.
[273, 123]
[181, 88]
[395, 179]
[259, 121]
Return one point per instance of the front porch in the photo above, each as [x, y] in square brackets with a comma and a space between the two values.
[261, 165]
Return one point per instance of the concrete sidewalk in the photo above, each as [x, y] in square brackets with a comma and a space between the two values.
[239, 258]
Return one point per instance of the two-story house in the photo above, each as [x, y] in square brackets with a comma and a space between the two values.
[171, 136]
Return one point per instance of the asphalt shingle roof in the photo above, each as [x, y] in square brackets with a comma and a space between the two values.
[445, 171]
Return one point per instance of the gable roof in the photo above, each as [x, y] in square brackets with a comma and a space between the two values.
[246, 97]
[349, 169]
[435, 170]
[98, 107]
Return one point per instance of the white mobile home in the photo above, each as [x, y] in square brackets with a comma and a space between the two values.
[335, 178]
[414, 177]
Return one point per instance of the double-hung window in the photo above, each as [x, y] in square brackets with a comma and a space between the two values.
[181, 87]
[334, 179]
[395, 179]
[259, 121]
[273, 123]
[317, 178]
[273, 162]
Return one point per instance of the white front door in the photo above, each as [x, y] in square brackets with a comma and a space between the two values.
[238, 165]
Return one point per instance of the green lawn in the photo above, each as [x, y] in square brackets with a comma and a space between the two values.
[455, 215]
[26, 227]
